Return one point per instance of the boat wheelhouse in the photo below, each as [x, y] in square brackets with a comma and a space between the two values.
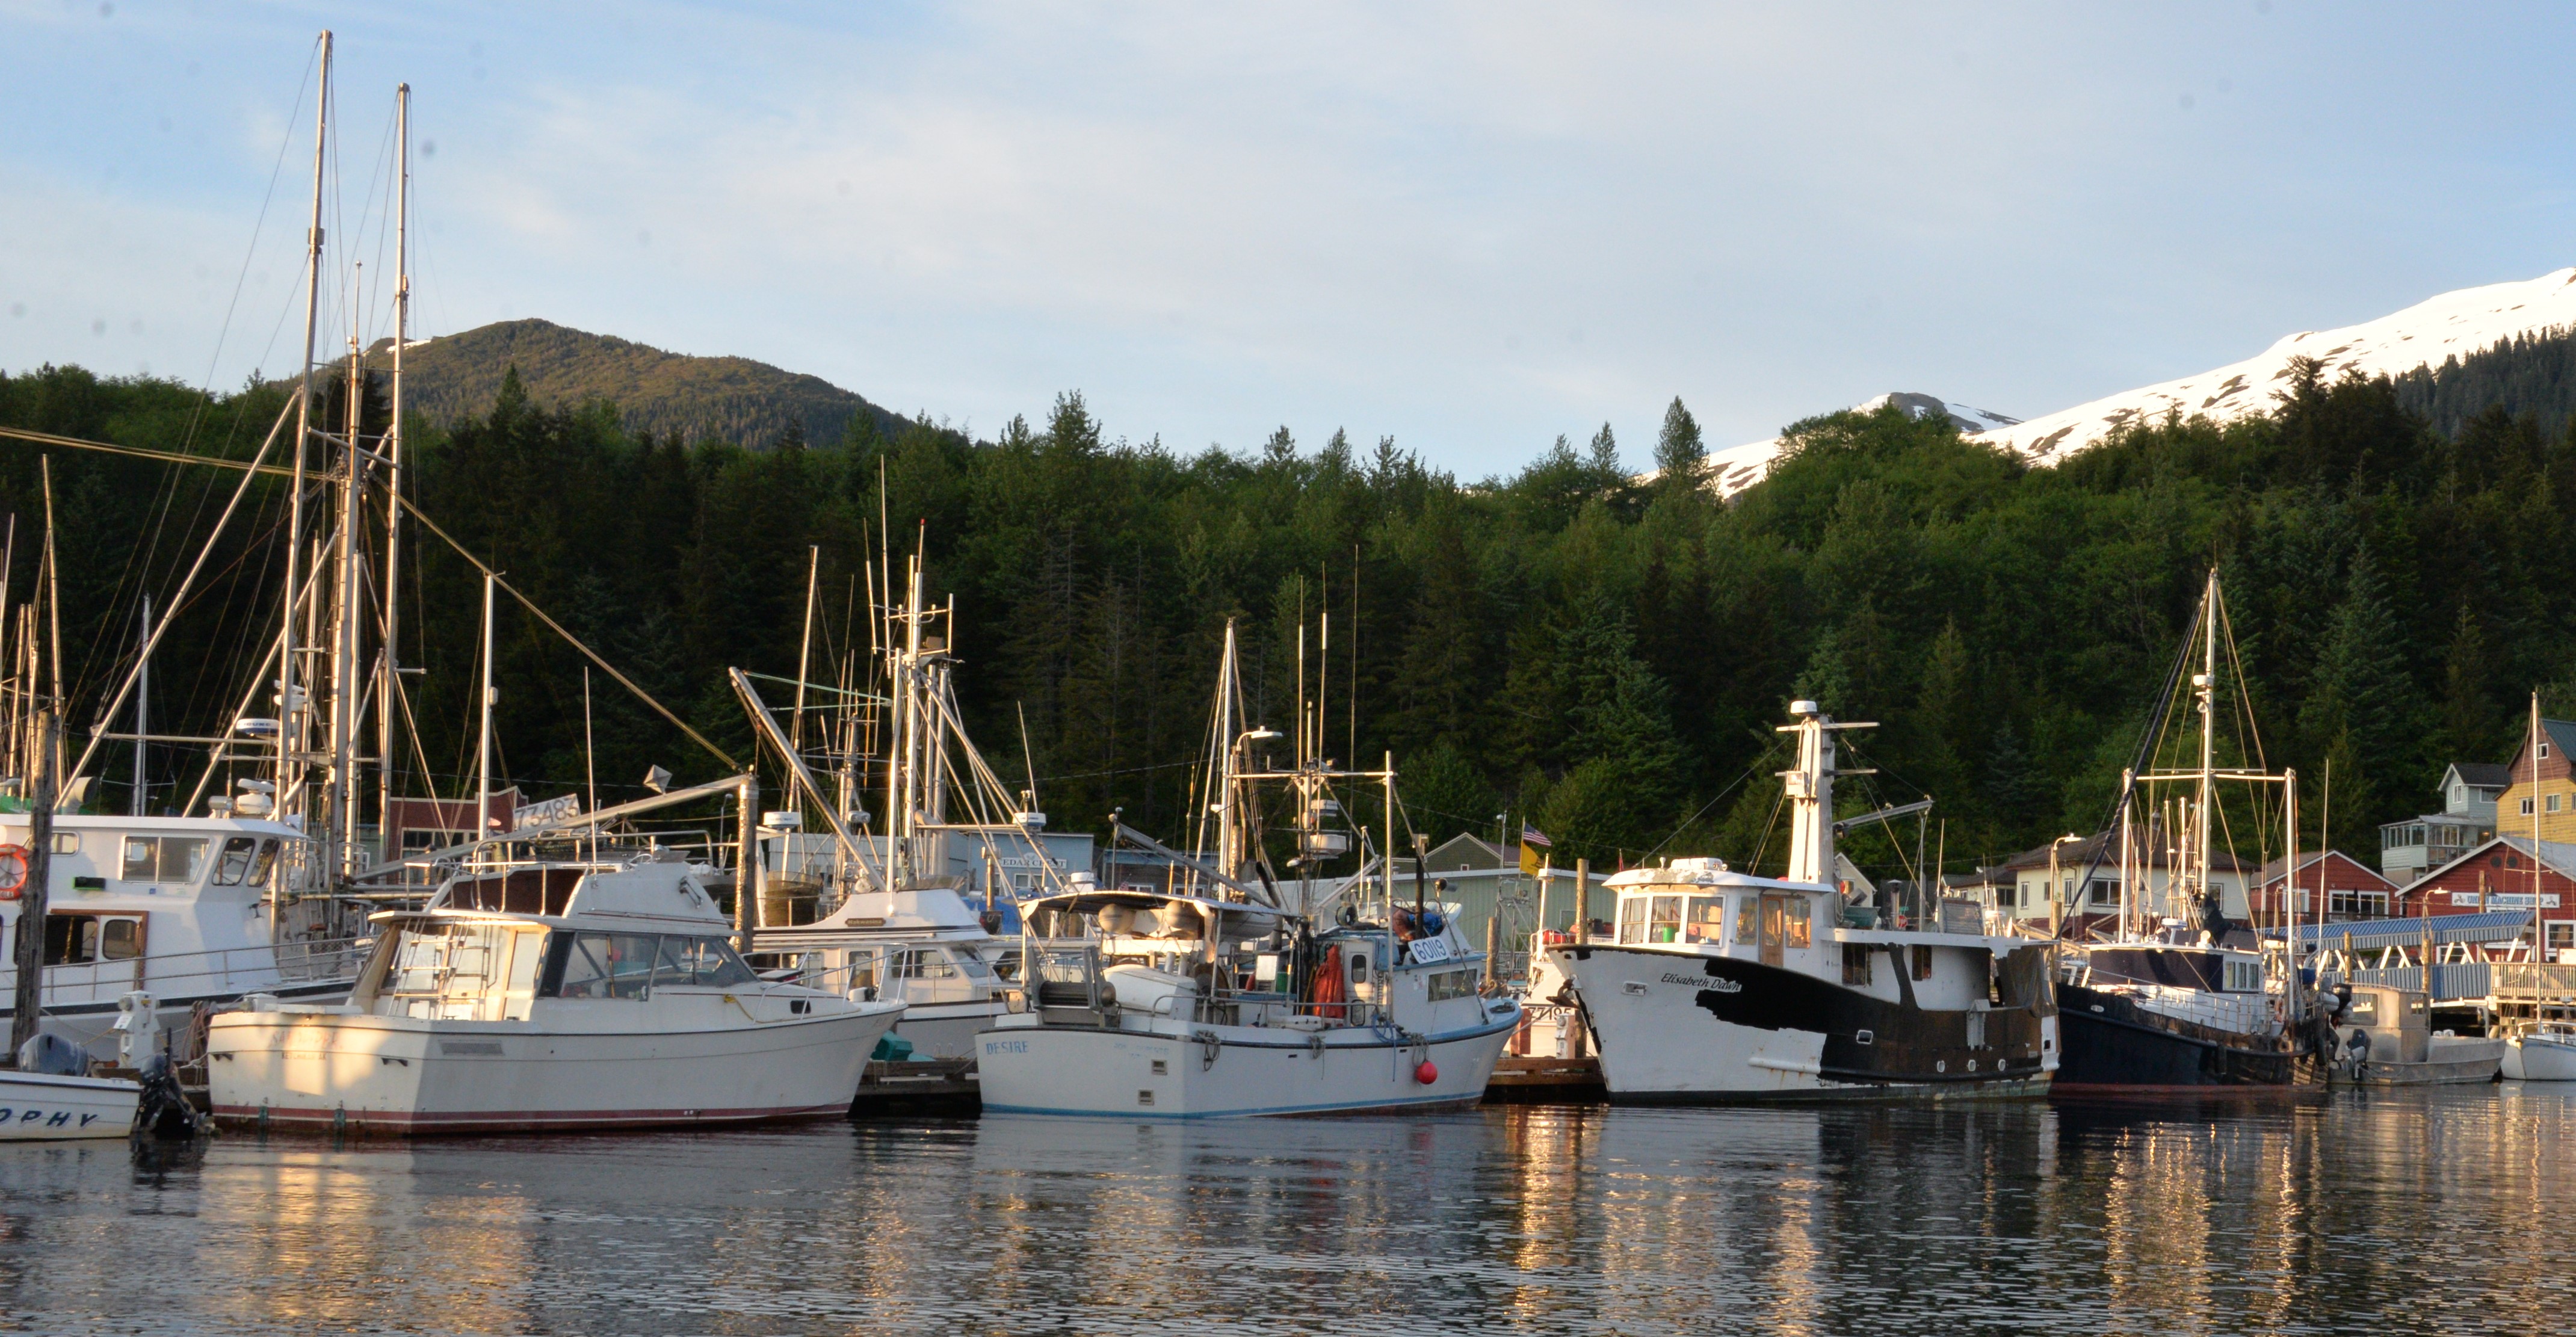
[549, 995]
[1719, 986]
[191, 910]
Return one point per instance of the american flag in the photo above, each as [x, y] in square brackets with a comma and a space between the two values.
[1531, 835]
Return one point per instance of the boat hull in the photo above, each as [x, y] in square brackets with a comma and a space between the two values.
[401, 1076]
[2111, 1045]
[40, 1107]
[1675, 1029]
[2536, 1059]
[1230, 1071]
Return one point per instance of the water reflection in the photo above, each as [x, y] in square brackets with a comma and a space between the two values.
[2407, 1211]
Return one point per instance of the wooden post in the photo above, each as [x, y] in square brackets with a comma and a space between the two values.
[1578, 1045]
[1493, 939]
[31, 900]
[746, 866]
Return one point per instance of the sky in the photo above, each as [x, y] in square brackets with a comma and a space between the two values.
[1471, 227]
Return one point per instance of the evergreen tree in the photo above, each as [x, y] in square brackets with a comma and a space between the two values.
[1681, 460]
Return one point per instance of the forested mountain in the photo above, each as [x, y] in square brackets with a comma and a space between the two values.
[662, 394]
[2535, 373]
[1607, 657]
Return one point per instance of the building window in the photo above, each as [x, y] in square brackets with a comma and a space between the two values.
[2106, 891]
[2357, 904]
[2544, 749]
[2553, 803]
[2562, 935]
[2526, 807]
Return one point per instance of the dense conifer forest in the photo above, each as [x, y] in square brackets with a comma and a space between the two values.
[1604, 656]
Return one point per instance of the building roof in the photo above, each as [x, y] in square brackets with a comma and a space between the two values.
[2308, 859]
[2490, 774]
[1464, 852]
[2438, 819]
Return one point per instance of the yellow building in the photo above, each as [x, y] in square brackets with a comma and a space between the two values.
[2554, 797]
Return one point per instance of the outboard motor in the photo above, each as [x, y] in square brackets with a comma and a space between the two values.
[53, 1055]
[163, 1112]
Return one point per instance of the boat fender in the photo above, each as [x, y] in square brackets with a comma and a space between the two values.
[1427, 1073]
[13, 871]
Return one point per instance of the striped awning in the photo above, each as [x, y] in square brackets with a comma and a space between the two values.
[2373, 934]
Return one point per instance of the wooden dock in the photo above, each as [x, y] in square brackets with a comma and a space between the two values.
[917, 1085]
[1533, 1080]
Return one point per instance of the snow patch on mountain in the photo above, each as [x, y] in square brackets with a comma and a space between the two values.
[2454, 324]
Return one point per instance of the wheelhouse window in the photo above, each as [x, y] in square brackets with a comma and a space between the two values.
[602, 965]
[1632, 919]
[2244, 976]
[163, 858]
[1748, 921]
[245, 861]
[1704, 919]
[707, 963]
[1664, 919]
[1796, 934]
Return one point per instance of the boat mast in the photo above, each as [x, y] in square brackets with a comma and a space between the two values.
[391, 680]
[483, 734]
[804, 653]
[340, 800]
[2539, 933]
[142, 719]
[2206, 685]
[290, 712]
[1810, 788]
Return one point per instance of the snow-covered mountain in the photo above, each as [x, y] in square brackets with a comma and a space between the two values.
[2454, 324]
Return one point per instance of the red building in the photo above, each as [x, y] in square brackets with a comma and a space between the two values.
[2499, 874]
[2353, 890]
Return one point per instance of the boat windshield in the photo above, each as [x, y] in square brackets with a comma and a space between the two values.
[629, 965]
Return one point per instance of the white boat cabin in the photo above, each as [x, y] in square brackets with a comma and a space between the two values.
[1700, 907]
[492, 946]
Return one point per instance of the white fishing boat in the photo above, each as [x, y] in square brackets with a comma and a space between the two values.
[1217, 999]
[47, 1107]
[1722, 987]
[530, 997]
[1172, 1007]
[2545, 1052]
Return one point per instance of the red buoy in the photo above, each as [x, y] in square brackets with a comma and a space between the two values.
[1428, 1073]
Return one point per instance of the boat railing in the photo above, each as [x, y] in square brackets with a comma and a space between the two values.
[2532, 982]
[1256, 1007]
[219, 972]
[2246, 1014]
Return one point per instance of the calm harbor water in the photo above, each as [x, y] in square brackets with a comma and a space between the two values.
[2406, 1212]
